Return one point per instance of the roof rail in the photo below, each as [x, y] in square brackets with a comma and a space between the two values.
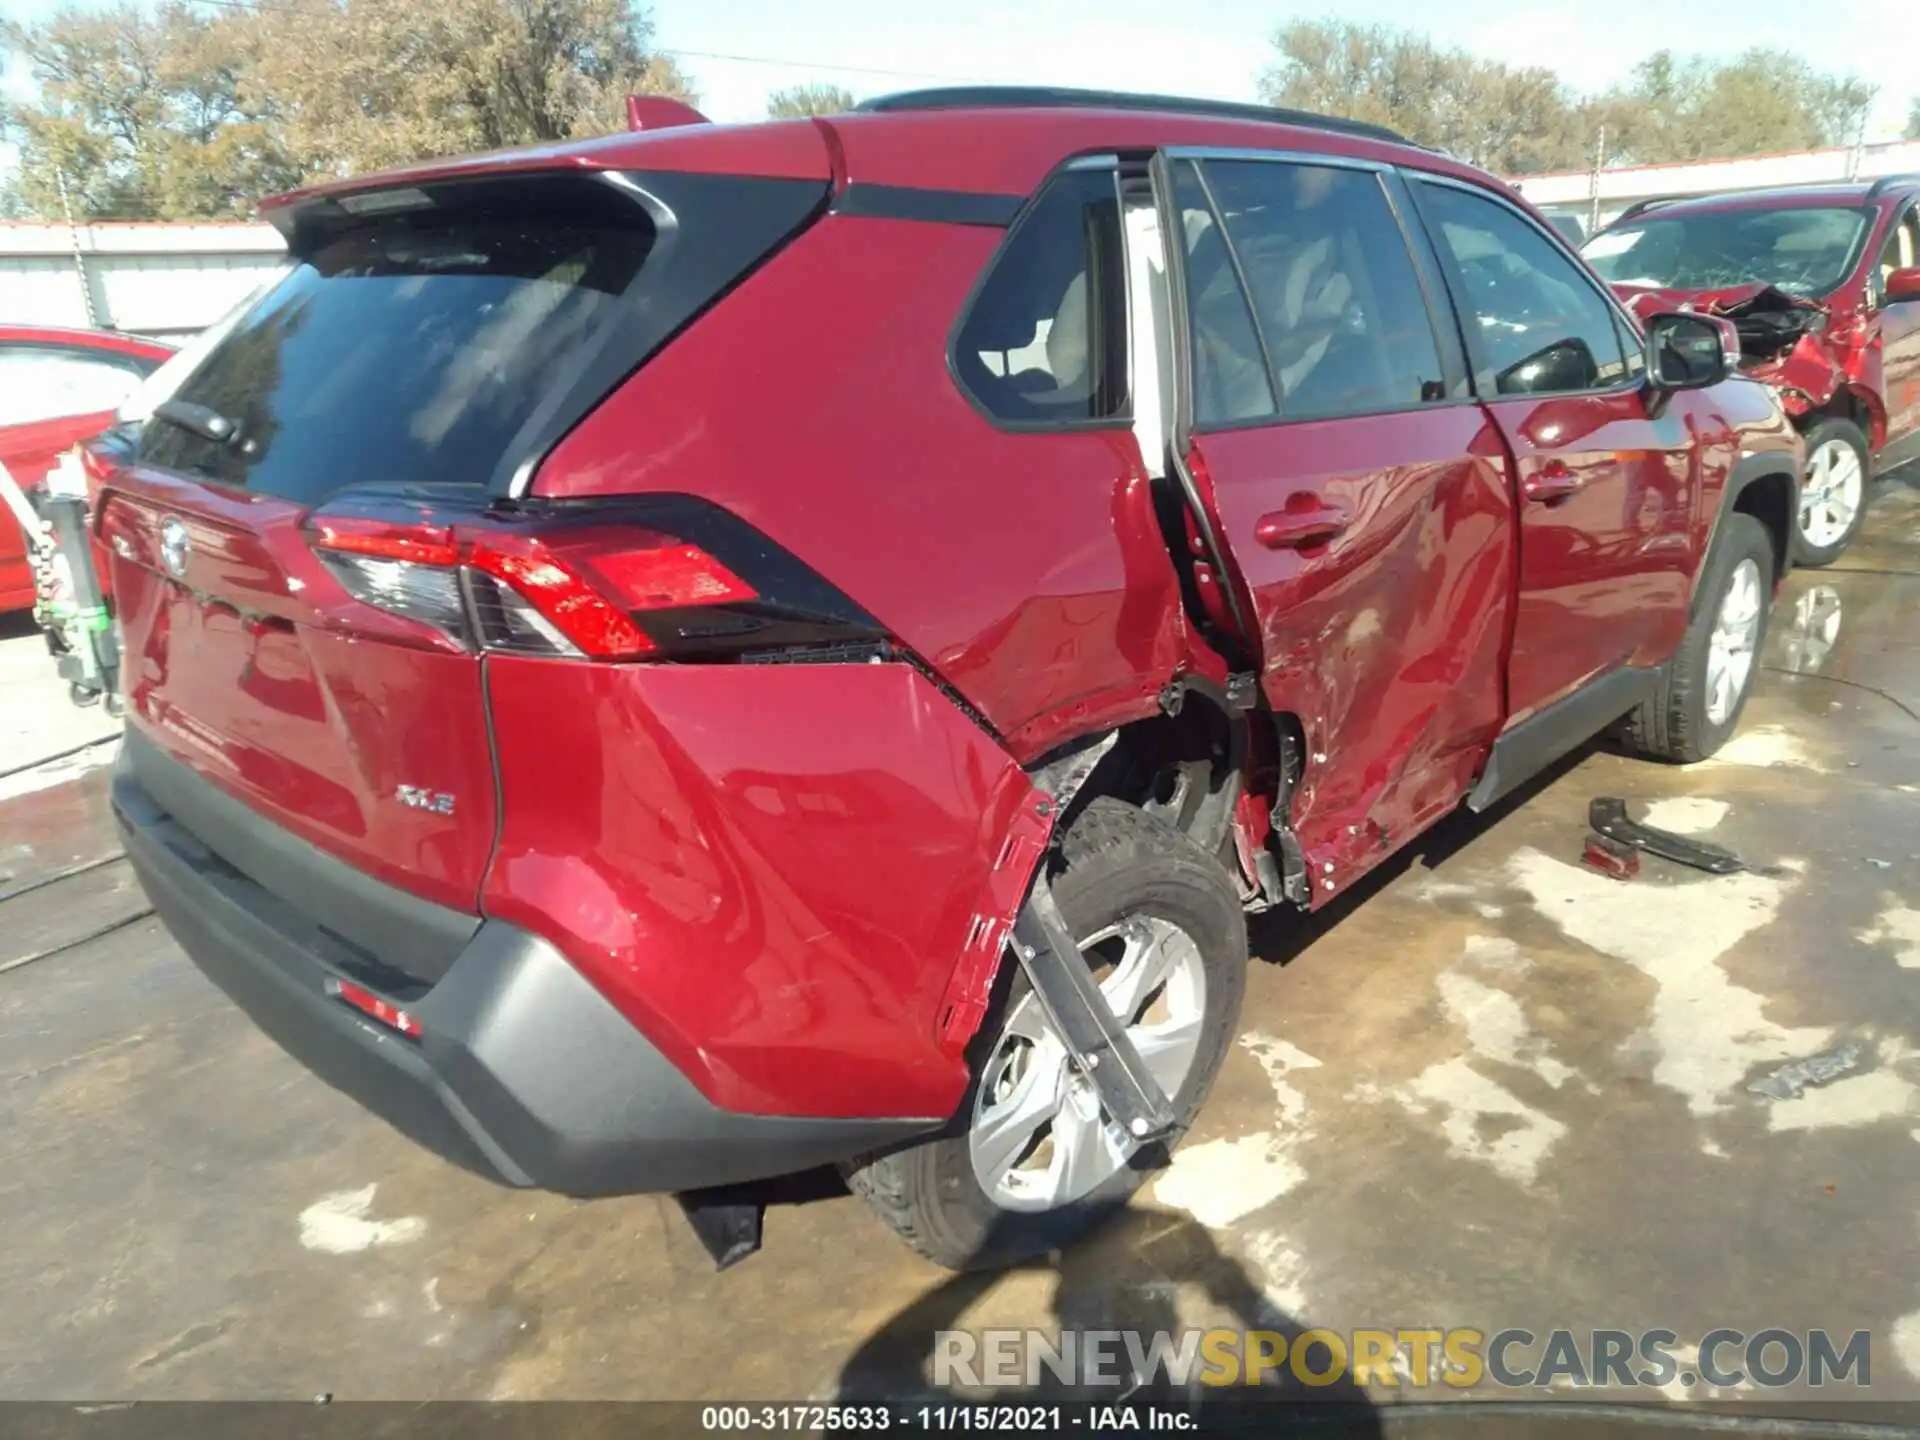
[1889, 182]
[1009, 97]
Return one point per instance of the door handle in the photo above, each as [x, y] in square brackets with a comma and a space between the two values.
[1555, 480]
[1301, 529]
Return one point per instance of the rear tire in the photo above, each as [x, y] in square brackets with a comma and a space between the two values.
[1833, 493]
[1704, 687]
[1124, 872]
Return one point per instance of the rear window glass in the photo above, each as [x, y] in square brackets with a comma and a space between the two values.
[410, 351]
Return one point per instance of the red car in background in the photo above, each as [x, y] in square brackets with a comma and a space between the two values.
[1823, 284]
[57, 387]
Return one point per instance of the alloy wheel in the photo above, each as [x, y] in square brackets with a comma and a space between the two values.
[1832, 494]
[1730, 646]
[1038, 1139]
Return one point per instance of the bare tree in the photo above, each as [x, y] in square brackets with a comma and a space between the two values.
[139, 115]
[369, 83]
[1501, 116]
[176, 113]
[1680, 108]
[1518, 119]
[815, 99]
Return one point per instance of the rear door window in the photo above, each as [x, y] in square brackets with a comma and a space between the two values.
[1231, 385]
[1338, 302]
[1044, 344]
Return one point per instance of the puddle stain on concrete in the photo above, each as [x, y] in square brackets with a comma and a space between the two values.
[337, 1224]
[1482, 1120]
[1897, 926]
[1764, 747]
[1496, 1027]
[1707, 1034]
[1906, 1343]
[1686, 814]
[1221, 1181]
[1857, 1100]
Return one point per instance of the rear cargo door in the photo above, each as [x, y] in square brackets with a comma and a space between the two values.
[295, 618]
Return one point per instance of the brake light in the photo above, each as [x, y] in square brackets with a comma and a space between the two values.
[416, 544]
[370, 1004]
[578, 615]
[574, 592]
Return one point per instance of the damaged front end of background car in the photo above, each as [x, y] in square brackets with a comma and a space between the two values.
[1818, 360]
[1790, 343]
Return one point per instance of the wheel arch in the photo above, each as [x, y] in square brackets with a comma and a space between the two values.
[1184, 761]
[1767, 487]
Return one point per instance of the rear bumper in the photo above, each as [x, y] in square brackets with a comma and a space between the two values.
[523, 1072]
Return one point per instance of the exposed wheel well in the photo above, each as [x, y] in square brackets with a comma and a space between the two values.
[1769, 499]
[1183, 764]
[1190, 765]
[1852, 405]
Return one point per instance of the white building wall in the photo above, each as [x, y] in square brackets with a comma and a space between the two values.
[148, 279]
[1619, 188]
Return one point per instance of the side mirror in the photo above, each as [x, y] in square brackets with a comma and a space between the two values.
[1686, 351]
[1902, 285]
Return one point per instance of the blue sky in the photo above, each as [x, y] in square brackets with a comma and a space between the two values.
[1219, 47]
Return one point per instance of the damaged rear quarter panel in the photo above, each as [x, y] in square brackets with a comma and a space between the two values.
[779, 873]
[815, 403]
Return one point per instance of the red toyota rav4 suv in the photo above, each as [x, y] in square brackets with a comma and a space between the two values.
[1823, 283]
[669, 660]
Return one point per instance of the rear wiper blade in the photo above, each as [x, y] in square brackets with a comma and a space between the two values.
[206, 423]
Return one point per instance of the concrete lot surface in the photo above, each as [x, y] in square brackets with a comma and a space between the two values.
[1495, 1090]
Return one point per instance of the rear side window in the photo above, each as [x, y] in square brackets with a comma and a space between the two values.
[1334, 289]
[450, 338]
[1045, 342]
[1535, 324]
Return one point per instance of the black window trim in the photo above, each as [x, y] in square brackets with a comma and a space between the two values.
[1121, 419]
[866, 200]
[1630, 383]
[1455, 370]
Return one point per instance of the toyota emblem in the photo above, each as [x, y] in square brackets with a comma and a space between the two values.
[174, 547]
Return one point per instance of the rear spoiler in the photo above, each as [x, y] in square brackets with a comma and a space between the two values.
[661, 112]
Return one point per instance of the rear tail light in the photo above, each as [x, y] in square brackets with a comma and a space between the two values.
[605, 591]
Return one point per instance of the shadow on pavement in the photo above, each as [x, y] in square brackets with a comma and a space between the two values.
[1145, 1272]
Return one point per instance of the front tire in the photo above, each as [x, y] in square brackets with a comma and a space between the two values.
[1833, 493]
[1704, 687]
[1024, 1167]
